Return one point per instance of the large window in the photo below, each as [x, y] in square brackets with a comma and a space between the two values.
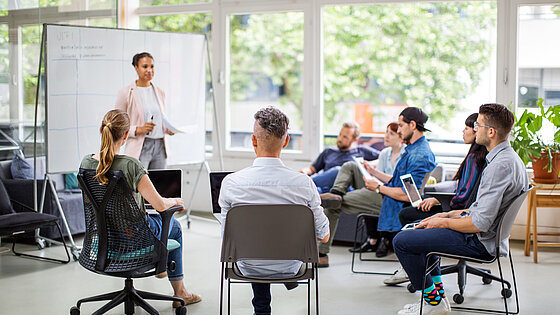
[266, 69]
[538, 64]
[439, 56]
[20, 41]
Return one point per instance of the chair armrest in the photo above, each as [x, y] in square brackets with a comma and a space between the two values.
[166, 219]
[444, 199]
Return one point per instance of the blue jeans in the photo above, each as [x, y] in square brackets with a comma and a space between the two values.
[261, 298]
[325, 180]
[412, 246]
[176, 233]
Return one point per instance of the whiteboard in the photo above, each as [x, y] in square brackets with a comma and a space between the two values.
[87, 66]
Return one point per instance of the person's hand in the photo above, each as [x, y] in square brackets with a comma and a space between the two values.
[433, 223]
[167, 131]
[371, 184]
[306, 170]
[179, 202]
[427, 204]
[369, 168]
[148, 127]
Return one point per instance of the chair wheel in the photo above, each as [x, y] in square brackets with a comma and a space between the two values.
[486, 280]
[74, 310]
[506, 293]
[458, 298]
[410, 288]
[181, 310]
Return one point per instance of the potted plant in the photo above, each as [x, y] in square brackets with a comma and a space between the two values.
[529, 143]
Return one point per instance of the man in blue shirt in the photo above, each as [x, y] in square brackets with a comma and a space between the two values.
[324, 169]
[384, 200]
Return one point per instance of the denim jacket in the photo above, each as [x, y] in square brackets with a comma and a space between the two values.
[417, 160]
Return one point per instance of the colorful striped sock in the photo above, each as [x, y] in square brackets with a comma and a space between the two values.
[439, 285]
[431, 295]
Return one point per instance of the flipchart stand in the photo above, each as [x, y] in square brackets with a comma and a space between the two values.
[42, 241]
[204, 165]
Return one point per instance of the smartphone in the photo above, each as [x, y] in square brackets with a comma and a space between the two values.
[411, 190]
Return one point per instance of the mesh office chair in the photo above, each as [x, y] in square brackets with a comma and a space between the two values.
[504, 228]
[270, 232]
[119, 242]
[360, 232]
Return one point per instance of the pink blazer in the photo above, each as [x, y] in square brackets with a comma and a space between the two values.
[128, 100]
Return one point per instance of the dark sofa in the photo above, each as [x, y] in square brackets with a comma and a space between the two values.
[21, 192]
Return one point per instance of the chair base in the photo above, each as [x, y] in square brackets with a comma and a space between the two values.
[360, 226]
[463, 269]
[130, 297]
[62, 261]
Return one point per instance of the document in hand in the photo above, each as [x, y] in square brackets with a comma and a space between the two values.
[169, 125]
[363, 170]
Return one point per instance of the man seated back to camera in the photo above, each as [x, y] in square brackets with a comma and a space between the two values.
[269, 181]
[325, 168]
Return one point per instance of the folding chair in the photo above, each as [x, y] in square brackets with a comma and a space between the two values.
[270, 232]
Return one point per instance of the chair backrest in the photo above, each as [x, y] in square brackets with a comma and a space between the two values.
[5, 203]
[506, 223]
[270, 232]
[118, 240]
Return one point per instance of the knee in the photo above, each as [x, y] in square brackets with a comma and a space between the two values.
[348, 165]
[400, 240]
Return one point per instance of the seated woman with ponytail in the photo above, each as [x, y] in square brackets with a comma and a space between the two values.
[114, 132]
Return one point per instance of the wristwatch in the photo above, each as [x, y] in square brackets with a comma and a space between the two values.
[377, 190]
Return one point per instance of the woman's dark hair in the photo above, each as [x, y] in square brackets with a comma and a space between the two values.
[139, 56]
[479, 151]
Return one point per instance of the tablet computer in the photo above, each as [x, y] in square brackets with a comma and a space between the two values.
[363, 170]
[411, 190]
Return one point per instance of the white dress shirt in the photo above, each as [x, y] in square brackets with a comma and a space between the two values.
[269, 181]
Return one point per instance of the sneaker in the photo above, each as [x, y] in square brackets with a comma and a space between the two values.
[323, 261]
[414, 309]
[399, 277]
[331, 201]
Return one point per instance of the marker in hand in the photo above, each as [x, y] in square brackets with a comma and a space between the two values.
[151, 120]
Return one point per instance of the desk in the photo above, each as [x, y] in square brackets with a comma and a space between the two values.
[544, 196]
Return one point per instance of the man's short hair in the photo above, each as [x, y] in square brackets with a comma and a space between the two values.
[273, 121]
[352, 125]
[498, 117]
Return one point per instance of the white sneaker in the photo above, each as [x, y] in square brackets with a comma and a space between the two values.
[399, 277]
[414, 309]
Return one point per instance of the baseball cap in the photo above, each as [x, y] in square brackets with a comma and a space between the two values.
[416, 114]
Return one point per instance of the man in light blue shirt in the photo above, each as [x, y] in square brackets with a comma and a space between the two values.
[470, 232]
[269, 181]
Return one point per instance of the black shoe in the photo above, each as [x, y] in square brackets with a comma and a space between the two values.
[383, 248]
[291, 285]
[365, 247]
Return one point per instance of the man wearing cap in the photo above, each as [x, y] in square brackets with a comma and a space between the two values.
[384, 200]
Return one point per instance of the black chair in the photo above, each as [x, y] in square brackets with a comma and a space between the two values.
[24, 220]
[504, 228]
[119, 243]
[360, 233]
[270, 232]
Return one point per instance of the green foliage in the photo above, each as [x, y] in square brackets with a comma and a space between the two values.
[428, 55]
[527, 138]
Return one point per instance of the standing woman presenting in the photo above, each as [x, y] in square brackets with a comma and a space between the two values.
[145, 104]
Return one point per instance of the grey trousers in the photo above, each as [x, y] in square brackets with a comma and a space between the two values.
[153, 154]
[360, 200]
